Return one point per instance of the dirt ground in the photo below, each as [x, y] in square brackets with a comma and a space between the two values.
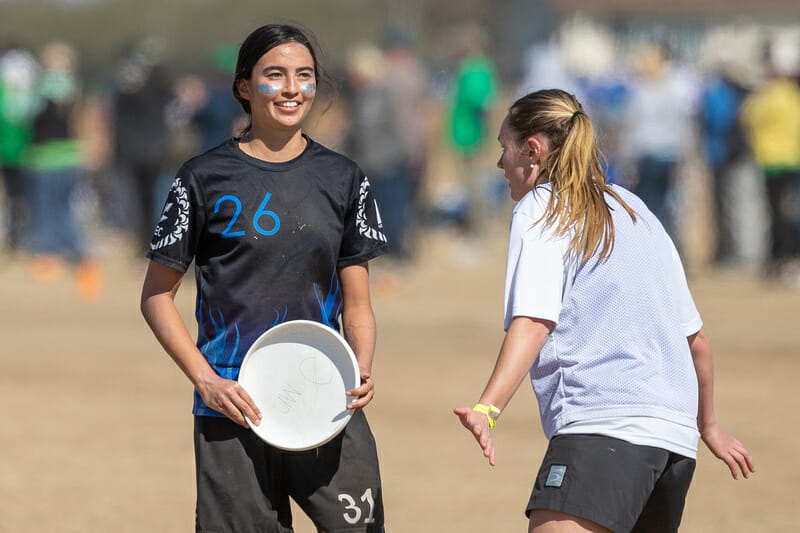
[96, 432]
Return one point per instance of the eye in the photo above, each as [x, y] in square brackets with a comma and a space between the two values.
[274, 75]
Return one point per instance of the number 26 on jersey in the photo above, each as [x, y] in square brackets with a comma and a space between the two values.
[272, 222]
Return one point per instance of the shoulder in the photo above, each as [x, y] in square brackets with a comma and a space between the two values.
[633, 201]
[207, 161]
[319, 153]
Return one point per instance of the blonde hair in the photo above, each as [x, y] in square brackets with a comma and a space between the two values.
[574, 168]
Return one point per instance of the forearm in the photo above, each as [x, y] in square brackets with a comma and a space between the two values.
[162, 316]
[521, 346]
[358, 325]
[700, 346]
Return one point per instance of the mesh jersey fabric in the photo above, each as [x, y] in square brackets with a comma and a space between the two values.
[267, 240]
[619, 347]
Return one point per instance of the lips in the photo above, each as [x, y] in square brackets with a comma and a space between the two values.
[288, 106]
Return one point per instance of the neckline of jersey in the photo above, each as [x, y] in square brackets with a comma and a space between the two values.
[267, 165]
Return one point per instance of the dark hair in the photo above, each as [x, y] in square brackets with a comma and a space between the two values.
[574, 167]
[261, 41]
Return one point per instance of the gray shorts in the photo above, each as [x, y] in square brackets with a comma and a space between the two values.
[244, 484]
[619, 485]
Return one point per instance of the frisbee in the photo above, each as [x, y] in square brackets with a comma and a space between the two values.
[298, 373]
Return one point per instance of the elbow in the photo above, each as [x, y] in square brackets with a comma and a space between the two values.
[699, 341]
[146, 306]
[143, 307]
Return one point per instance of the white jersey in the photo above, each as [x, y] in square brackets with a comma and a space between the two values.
[619, 347]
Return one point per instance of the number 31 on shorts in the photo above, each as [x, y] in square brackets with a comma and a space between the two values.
[353, 511]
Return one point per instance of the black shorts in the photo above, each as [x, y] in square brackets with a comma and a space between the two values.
[619, 485]
[243, 484]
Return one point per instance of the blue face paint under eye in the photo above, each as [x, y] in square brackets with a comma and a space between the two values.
[308, 88]
[268, 89]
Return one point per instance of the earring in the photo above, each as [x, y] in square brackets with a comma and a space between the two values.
[532, 165]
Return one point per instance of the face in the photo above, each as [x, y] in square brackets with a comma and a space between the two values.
[281, 87]
[516, 159]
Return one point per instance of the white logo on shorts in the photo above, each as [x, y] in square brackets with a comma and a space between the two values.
[556, 476]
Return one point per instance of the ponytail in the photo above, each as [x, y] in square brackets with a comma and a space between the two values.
[573, 167]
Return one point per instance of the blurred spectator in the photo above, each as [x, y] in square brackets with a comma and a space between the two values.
[142, 90]
[772, 117]
[189, 94]
[387, 133]
[472, 97]
[217, 117]
[53, 173]
[725, 148]
[657, 130]
[18, 73]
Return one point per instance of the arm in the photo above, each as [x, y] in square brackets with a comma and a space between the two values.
[358, 324]
[722, 444]
[523, 341]
[158, 307]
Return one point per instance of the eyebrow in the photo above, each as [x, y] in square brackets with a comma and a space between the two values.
[284, 69]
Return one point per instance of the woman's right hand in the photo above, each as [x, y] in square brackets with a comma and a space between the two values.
[230, 399]
[477, 424]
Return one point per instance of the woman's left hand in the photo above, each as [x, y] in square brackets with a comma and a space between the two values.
[363, 393]
[728, 449]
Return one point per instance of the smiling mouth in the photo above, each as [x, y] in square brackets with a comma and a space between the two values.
[288, 105]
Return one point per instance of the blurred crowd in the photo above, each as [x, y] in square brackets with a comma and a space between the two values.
[81, 161]
[716, 129]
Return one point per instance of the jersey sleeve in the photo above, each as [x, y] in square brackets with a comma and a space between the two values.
[687, 311]
[175, 238]
[534, 271]
[363, 237]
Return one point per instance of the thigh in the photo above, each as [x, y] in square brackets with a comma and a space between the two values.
[605, 480]
[547, 521]
[664, 509]
[338, 484]
[239, 480]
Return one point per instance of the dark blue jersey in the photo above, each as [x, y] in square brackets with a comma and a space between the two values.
[267, 240]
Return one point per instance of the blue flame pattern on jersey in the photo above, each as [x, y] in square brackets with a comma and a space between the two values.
[278, 318]
[224, 360]
[331, 305]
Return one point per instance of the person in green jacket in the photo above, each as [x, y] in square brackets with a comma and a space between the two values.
[473, 96]
[18, 70]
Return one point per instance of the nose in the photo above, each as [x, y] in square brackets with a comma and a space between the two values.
[291, 86]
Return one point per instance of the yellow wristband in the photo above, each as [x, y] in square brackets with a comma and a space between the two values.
[490, 411]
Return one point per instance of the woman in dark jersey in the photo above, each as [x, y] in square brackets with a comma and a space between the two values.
[280, 228]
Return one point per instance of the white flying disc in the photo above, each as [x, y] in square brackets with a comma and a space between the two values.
[298, 373]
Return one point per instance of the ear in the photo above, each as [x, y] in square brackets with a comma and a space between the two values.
[538, 146]
[244, 89]
[534, 147]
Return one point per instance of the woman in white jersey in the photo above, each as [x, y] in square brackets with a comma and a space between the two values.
[598, 312]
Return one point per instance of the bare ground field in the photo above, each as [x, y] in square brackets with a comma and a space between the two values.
[96, 432]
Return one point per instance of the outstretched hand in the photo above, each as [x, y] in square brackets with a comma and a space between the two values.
[728, 449]
[477, 424]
